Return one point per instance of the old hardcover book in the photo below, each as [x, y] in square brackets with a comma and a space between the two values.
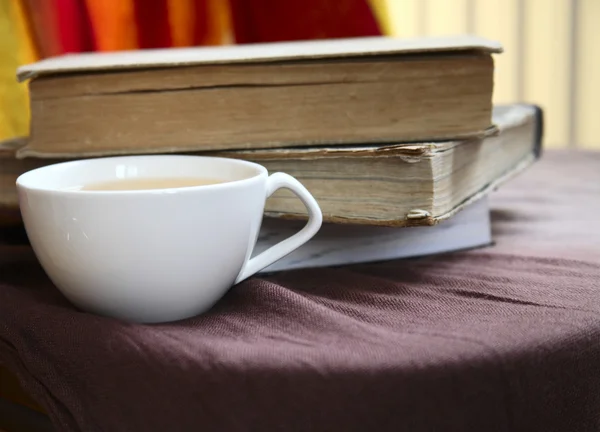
[396, 185]
[405, 185]
[342, 91]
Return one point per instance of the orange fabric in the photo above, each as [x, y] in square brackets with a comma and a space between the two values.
[114, 24]
[134, 24]
[182, 21]
[200, 22]
[44, 18]
[219, 28]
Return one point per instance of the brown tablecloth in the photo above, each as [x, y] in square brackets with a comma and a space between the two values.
[505, 338]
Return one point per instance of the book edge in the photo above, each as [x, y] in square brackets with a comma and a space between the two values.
[25, 151]
[259, 52]
[429, 220]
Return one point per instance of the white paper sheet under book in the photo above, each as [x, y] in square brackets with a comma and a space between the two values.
[345, 244]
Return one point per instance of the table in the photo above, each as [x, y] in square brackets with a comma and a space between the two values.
[504, 338]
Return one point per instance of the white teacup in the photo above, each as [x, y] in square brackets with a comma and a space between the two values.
[153, 255]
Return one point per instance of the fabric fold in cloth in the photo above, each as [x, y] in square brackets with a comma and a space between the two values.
[504, 338]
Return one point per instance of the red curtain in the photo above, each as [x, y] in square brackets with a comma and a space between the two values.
[277, 20]
[62, 26]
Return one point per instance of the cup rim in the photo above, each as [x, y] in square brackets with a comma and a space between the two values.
[23, 180]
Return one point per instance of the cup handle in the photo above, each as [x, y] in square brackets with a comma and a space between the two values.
[283, 248]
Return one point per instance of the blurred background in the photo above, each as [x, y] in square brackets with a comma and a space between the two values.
[550, 56]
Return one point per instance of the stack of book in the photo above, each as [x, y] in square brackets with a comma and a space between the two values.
[386, 133]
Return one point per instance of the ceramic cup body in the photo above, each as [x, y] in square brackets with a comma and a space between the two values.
[152, 255]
